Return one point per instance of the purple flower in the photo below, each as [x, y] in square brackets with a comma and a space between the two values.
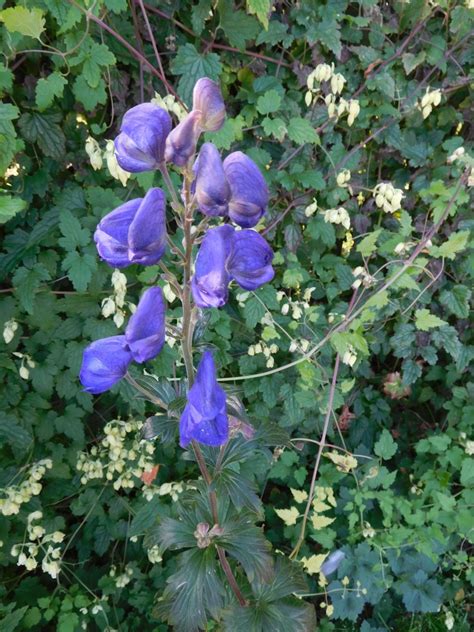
[210, 186]
[332, 563]
[145, 333]
[249, 192]
[207, 99]
[181, 142]
[211, 279]
[140, 145]
[204, 418]
[250, 260]
[104, 363]
[135, 232]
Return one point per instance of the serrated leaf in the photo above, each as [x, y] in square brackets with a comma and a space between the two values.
[385, 447]
[44, 130]
[48, 88]
[457, 300]
[237, 25]
[200, 12]
[15, 435]
[301, 131]
[424, 320]
[79, 269]
[26, 282]
[25, 21]
[269, 102]
[261, 9]
[454, 244]
[88, 96]
[419, 593]
[8, 112]
[191, 66]
[146, 517]
[9, 207]
[275, 127]
[367, 246]
[74, 236]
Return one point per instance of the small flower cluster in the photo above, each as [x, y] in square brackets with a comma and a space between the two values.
[362, 277]
[154, 554]
[114, 304]
[297, 308]
[267, 350]
[387, 197]
[27, 363]
[120, 457]
[336, 107]
[311, 209]
[350, 356]
[430, 100]
[172, 489]
[343, 178]
[122, 579]
[97, 157]
[337, 216]
[27, 552]
[9, 329]
[17, 495]
[170, 104]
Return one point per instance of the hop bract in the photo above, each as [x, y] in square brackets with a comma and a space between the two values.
[204, 418]
[140, 146]
[135, 232]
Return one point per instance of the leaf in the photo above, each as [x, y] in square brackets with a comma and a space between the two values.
[275, 127]
[419, 593]
[191, 66]
[367, 246]
[200, 12]
[301, 131]
[10, 206]
[424, 320]
[261, 9]
[457, 300]
[159, 426]
[454, 244]
[411, 61]
[26, 282]
[146, 517]
[88, 96]
[74, 236]
[8, 112]
[230, 132]
[79, 269]
[467, 472]
[10, 621]
[48, 88]
[289, 516]
[237, 25]
[15, 435]
[385, 447]
[269, 102]
[25, 21]
[44, 130]
[320, 522]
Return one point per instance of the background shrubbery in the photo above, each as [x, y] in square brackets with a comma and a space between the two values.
[395, 491]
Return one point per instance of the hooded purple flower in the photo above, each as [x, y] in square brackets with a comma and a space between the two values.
[250, 260]
[181, 142]
[204, 418]
[210, 186]
[135, 232]
[145, 333]
[207, 99]
[140, 145]
[249, 192]
[332, 563]
[211, 279]
[104, 363]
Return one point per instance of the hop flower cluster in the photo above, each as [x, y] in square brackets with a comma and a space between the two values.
[337, 106]
[297, 308]
[387, 197]
[26, 364]
[120, 457]
[170, 104]
[122, 579]
[9, 329]
[17, 495]
[337, 216]
[114, 304]
[171, 488]
[39, 541]
[267, 350]
[430, 100]
[362, 277]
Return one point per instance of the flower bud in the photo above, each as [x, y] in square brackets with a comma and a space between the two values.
[140, 145]
[135, 232]
[104, 363]
[145, 333]
[211, 187]
[181, 142]
[207, 99]
[249, 191]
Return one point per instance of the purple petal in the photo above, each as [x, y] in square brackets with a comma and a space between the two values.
[207, 98]
[249, 191]
[204, 419]
[145, 333]
[147, 233]
[104, 363]
[181, 142]
[210, 281]
[250, 261]
[332, 563]
[111, 235]
[211, 187]
[140, 145]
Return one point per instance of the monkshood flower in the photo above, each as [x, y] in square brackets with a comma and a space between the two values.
[135, 232]
[249, 191]
[332, 562]
[250, 260]
[210, 186]
[104, 363]
[140, 146]
[210, 281]
[145, 333]
[207, 99]
[204, 418]
[181, 142]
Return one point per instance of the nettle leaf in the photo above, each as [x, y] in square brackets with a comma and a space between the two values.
[191, 66]
[301, 131]
[47, 89]
[419, 593]
[237, 25]
[385, 447]
[261, 9]
[25, 21]
[424, 320]
[10, 206]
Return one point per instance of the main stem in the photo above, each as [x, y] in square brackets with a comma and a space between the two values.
[187, 348]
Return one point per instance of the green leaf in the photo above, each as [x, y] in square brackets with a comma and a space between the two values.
[79, 269]
[10, 206]
[44, 130]
[146, 517]
[454, 244]
[8, 112]
[74, 236]
[457, 300]
[230, 132]
[15, 435]
[260, 8]
[269, 102]
[275, 127]
[191, 66]
[10, 621]
[88, 96]
[424, 320]
[200, 12]
[419, 593]
[49, 88]
[467, 472]
[367, 246]
[237, 25]
[385, 447]
[26, 282]
[411, 61]
[25, 21]
[301, 131]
